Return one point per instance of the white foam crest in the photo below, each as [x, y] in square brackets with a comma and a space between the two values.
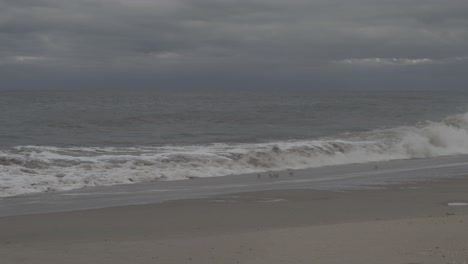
[28, 169]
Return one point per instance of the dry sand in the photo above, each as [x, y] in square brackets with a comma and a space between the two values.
[409, 223]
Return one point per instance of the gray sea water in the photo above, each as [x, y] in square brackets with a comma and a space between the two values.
[60, 140]
[130, 118]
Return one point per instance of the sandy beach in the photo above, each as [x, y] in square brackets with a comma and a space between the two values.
[233, 132]
[410, 223]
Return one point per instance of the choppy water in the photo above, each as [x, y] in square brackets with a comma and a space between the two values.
[58, 140]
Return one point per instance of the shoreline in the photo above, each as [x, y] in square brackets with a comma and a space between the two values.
[403, 223]
[361, 176]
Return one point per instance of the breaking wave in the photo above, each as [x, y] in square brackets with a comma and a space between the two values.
[28, 169]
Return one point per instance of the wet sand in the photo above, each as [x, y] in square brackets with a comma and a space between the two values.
[406, 223]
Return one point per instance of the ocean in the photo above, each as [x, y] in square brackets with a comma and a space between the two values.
[63, 140]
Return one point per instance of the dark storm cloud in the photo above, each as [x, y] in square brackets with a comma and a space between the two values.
[310, 41]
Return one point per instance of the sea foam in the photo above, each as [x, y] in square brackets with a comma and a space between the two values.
[29, 169]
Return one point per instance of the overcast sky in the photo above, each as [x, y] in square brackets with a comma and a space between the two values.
[327, 44]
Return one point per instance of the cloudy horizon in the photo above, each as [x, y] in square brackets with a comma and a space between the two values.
[355, 44]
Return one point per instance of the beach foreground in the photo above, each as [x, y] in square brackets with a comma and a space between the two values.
[410, 223]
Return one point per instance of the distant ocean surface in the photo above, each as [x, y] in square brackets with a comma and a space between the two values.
[62, 140]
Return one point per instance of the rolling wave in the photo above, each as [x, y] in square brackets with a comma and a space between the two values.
[29, 169]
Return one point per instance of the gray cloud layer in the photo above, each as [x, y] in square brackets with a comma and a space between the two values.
[214, 42]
